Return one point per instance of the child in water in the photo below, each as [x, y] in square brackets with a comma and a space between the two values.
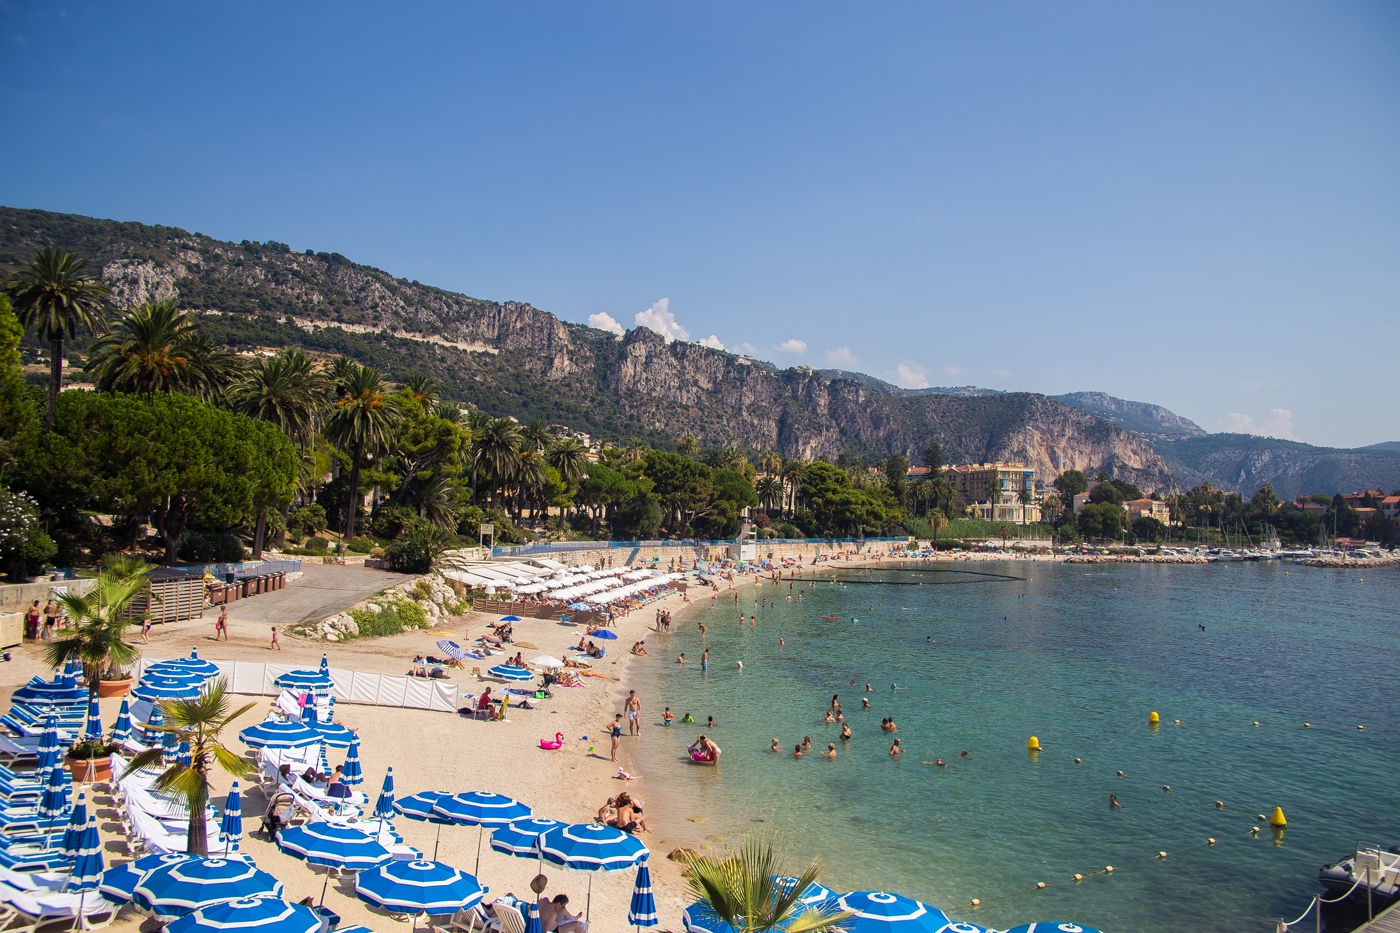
[667, 716]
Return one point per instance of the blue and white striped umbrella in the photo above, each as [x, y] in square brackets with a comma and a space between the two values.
[509, 619]
[172, 891]
[93, 729]
[813, 894]
[154, 720]
[305, 680]
[351, 773]
[452, 650]
[325, 665]
[231, 827]
[481, 808]
[962, 926]
[275, 734]
[48, 750]
[592, 847]
[84, 846]
[170, 742]
[122, 730]
[263, 914]
[119, 881]
[880, 912]
[521, 837]
[418, 887]
[184, 756]
[77, 819]
[642, 911]
[165, 688]
[196, 664]
[420, 806]
[384, 807]
[532, 918]
[1051, 926]
[323, 763]
[333, 734]
[333, 845]
[54, 804]
[179, 670]
[510, 672]
[72, 670]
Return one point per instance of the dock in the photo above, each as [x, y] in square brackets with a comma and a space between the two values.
[1388, 921]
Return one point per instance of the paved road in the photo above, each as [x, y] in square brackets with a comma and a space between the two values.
[323, 590]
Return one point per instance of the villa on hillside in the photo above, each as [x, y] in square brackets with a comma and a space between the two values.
[1016, 501]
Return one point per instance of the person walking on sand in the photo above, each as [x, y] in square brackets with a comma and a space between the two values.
[634, 713]
[146, 631]
[615, 730]
[276, 644]
[221, 625]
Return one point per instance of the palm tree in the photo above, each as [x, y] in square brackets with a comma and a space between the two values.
[536, 435]
[497, 450]
[199, 722]
[1027, 498]
[362, 424]
[993, 495]
[529, 478]
[284, 390]
[422, 389]
[792, 472]
[770, 461]
[436, 498]
[743, 890]
[447, 411]
[158, 348]
[96, 640]
[55, 295]
[570, 458]
[687, 444]
[770, 491]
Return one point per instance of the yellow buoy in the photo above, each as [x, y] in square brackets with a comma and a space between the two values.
[1153, 717]
[1033, 744]
[1277, 819]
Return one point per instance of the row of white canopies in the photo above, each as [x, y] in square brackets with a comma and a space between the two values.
[632, 589]
[558, 581]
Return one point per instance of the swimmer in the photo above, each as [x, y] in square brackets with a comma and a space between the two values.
[846, 731]
[797, 751]
[895, 750]
[830, 750]
[840, 717]
[687, 718]
[741, 664]
[681, 659]
[807, 742]
[1113, 803]
[710, 722]
[940, 763]
[780, 641]
[774, 747]
[829, 717]
[964, 753]
[868, 688]
[864, 703]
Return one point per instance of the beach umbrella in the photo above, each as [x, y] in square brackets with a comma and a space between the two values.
[812, 894]
[325, 664]
[452, 650]
[177, 670]
[1051, 926]
[521, 837]
[481, 809]
[323, 764]
[54, 804]
[72, 670]
[532, 919]
[547, 662]
[509, 619]
[384, 806]
[93, 729]
[511, 672]
[603, 635]
[173, 890]
[39, 690]
[417, 887]
[47, 750]
[231, 827]
[197, 664]
[184, 756]
[419, 806]
[351, 773]
[333, 846]
[880, 912]
[264, 914]
[170, 742]
[578, 606]
[962, 926]
[591, 847]
[83, 845]
[76, 821]
[118, 882]
[305, 679]
[642, 911]
[701, 918]
[272, 733]
[333, 734]
[121, 731]
[155, 688]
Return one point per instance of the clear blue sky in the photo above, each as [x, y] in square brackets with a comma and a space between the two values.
[1196, 204]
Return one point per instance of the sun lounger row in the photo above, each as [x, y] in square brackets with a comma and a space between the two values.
[28, 911]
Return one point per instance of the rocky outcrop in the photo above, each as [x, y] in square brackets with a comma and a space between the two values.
[430, 593]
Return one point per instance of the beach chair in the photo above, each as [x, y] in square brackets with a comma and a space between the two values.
[471, 920]
[509, 919]
[57, 910]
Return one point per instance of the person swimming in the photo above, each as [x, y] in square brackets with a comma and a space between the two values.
[864, 703]
[798, 751]
[774, 747]
[846, 731]
[895, 750]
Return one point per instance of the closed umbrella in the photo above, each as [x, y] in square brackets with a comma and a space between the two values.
[275, 734]
[325, 665]
[84, 847]
[511, 672]
[384, 806]
[170, 742]
[174, 890]
[263, 914]
[1051, 926]
[333, 846]
[184, 756]
[881, 912]
[93, 729]
[351, 773]
[481, 809]
[55, 802]
[418, 887]
[231, 828]
[591, 847]
[150, 733]
[47, 750]
[72, 670]
[642, 911]
[122, 730]
[532, 919]
[420, 806]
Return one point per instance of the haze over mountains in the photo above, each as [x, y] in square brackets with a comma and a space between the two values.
[511, 358]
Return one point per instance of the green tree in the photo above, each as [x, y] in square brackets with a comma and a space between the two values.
[56, 296]
[1101, 520]
[97, 639]
[743, 891]
[933, 457]
[362, 424]
[422, 390]
[604, 489]
[155, 347]
[570, 458]
[770, 491]
[496, 448]
[1147, 528]
[200, 722]
[1069, 484]
[536, 436]
[17, 414]
[24, 545]
[284, 390]
[687, 444]
[896, 471]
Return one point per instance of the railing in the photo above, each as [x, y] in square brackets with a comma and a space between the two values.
[243, 567]
[523, 550]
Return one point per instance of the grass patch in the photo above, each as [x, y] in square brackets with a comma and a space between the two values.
[391, 619]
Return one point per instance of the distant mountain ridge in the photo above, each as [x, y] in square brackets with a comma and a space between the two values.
[512, 358]
[1143, 418]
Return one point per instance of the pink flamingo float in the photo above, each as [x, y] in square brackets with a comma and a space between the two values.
[558, 742]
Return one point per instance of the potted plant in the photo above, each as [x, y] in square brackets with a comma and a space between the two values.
[96, 640]
[90, 760]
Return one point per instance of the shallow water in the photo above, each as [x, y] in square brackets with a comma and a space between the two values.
[1077, 656]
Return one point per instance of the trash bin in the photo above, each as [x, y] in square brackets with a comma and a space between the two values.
[230, 578]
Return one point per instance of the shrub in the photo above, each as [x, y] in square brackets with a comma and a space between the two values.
[24, 545]
[391, 521]
[211, 547]
[318, 545]
[376, 552]
[361, 544]
[415, 550]
[391, 619]
[309, 519]
[422, 590]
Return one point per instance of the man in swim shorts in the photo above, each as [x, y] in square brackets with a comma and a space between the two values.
[633, 706]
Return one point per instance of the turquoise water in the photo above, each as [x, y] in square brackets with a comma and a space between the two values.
[1077, 656]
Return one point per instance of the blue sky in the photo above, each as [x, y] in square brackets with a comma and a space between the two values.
[1195, 204]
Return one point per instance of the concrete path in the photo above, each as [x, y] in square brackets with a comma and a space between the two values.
[323, 590]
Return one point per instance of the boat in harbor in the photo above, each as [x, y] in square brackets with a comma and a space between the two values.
[1369, 869]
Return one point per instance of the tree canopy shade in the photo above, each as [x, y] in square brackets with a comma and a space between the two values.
[172, 456]
[156, 347]
[58, 297]
[17, 413]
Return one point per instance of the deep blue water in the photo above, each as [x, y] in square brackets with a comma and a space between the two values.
[1077, 656]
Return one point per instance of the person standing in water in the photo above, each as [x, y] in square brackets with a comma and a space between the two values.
[705, 660]
[895, 750]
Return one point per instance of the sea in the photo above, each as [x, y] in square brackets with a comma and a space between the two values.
[1276, 685]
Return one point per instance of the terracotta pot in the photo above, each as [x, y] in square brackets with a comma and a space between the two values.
[113, 688]
[90, 770]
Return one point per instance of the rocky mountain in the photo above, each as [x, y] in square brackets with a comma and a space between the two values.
[1244, 462]
[512, 358]
[1142, 418]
